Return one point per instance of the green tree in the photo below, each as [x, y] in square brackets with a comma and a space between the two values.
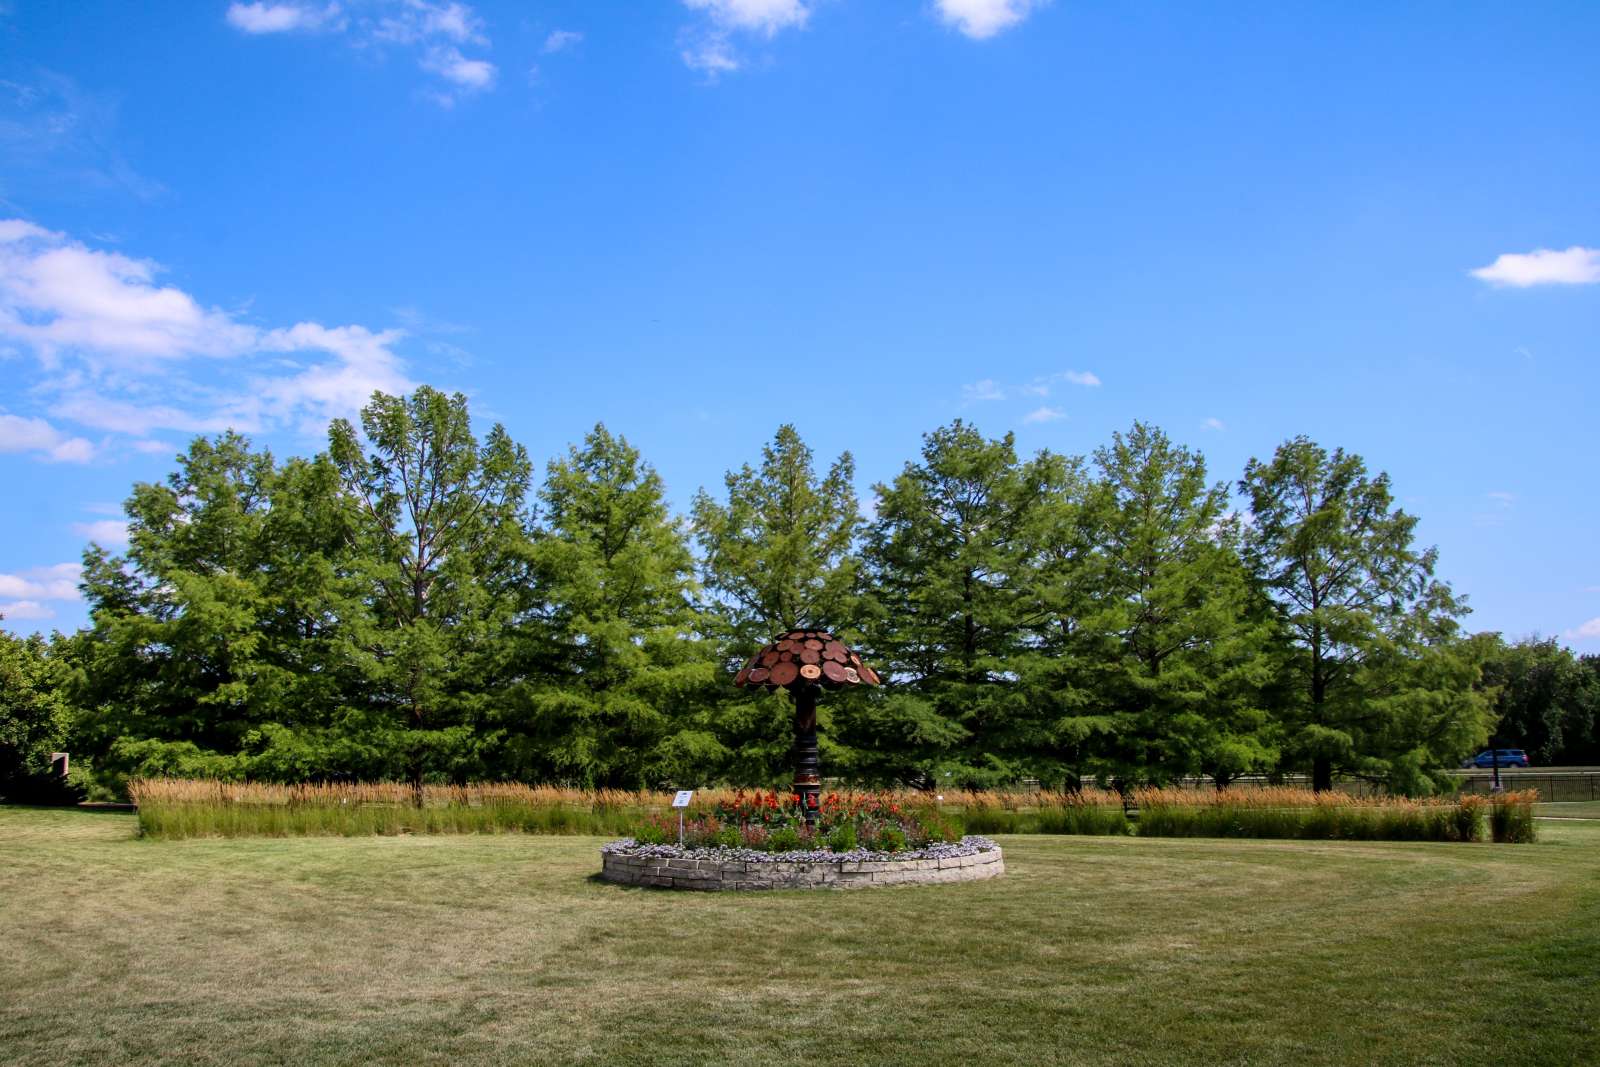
[625, 682]
[439, 544]
[35, 717]
[1181, 634]
[1384, 683]
[953, 555]
[1544, 699]
[780, 554]
[175, 668]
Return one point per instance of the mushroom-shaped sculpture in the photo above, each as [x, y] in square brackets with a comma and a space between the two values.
[805, 662]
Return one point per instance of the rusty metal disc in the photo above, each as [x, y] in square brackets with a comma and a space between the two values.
[837, 651]
[784, 673]
[769, 658]
[814, 644]
[758, 676]
[870, 675]
[785, 657]
[810, 655]
[833, 671]
[811, 672]
[739, 678]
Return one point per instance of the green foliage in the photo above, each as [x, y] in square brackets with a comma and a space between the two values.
[842, 838]
[1379, 681]
[954, 562]
[783, 839]
[780, 552]
[34, 721]
[394, 608]
[1461, 821]
[1546, 700]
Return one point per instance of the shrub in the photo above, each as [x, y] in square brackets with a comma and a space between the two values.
[842, 838]
[783, 839]
[1511, 817]
[890, 839]
[653, 832]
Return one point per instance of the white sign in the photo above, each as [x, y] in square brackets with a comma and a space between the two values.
[683, 798]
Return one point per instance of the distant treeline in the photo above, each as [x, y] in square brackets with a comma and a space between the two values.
[409, 605]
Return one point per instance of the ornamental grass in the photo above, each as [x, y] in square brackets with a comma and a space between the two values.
[1281, 812]
[178, 808]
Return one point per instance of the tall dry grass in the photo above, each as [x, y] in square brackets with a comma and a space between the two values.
[175, 808]
[1286, 812]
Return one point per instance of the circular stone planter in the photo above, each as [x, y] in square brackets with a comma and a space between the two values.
[669, 867]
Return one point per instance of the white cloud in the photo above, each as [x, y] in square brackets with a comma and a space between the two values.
[1044, 414]
[1585, 632]
[57, 293]
[438, 31]
[761, 16]
[987, 389]
[1042, 386]
[982, 19]
[711, 56]
[560, 40]
[108, 532]
[281, 17]
[1501, 499]
[17, 610]
[471, 75]
[710, 50]
[110, 343]
[58, 582]
[1213, 423]
[18, 434]
[1575, 266]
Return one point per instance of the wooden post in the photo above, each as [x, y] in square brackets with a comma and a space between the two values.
[807, 783]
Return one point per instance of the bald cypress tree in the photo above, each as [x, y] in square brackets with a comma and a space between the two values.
[626, 678]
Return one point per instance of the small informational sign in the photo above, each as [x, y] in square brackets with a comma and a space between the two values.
[683, 798]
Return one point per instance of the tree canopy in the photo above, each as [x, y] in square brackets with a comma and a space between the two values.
[409, 604]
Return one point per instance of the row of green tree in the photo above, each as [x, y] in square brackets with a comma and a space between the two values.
[407, 604]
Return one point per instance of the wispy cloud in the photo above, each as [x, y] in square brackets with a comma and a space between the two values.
[987, 389]
[1214, 423]
[111, 343]
[52, 129]
[1575, 266]
[27, 594]
[436, 30]
[34, 435]
[561, 40]
[1044, 414]
[982, 19]
[1042, 385]
[709, 46]
[1588, 631]
[282, 17]
[111, 533]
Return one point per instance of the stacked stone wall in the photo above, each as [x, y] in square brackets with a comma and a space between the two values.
[711, 874]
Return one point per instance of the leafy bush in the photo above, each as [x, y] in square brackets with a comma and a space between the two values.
[783, 839]
[842, 838]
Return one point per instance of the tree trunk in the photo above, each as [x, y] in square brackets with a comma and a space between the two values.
[1322, 774]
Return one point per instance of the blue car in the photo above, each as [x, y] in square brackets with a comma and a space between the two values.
[1508, 757]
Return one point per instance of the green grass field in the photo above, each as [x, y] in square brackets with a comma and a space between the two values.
[504, 949]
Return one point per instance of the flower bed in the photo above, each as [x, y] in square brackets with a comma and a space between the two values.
[716, 868]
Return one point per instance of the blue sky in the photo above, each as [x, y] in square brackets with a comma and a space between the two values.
[1373, 224]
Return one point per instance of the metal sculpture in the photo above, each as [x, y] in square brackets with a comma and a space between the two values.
[805, 662]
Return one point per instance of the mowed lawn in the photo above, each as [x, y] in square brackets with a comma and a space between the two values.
[504, 949]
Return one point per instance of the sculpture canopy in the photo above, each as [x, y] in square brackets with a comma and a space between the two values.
[801, 658]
